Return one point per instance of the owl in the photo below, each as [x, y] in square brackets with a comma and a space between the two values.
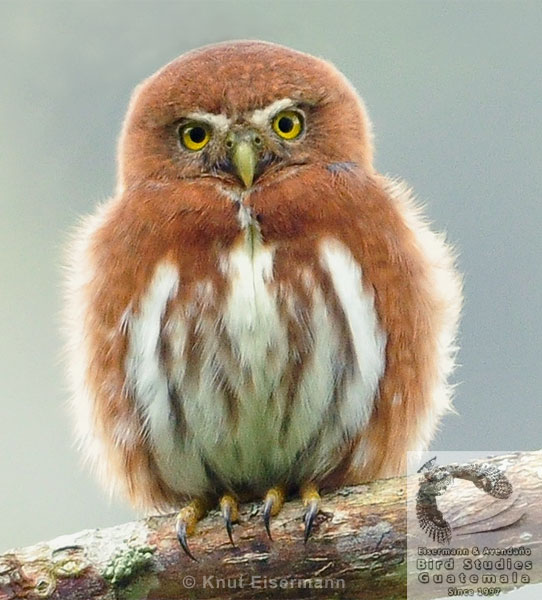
[437, 479]
[256, 312]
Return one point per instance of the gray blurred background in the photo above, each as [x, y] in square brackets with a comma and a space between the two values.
[454, 91]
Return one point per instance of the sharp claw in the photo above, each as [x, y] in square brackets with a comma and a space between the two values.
[229, 530]
[267, 507]
[310, 515]
[181, 536]
[311, 501]
[230, 513]
[226, 514]
[274, 500]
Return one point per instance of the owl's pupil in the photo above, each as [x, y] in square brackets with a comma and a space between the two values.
[285, 124]
[197, 135]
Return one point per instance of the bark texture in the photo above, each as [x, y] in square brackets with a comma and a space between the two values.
[358, 548]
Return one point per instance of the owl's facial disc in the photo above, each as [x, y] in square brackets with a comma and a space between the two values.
[245, 148]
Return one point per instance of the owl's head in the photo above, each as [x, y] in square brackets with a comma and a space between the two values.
[242, 113]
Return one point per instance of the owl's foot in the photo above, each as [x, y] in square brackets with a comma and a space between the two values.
[187, 520]
[311, 501]
[230, 513]
[274, 501]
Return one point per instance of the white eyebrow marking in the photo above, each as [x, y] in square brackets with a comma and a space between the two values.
[262, 116]
[219, 122]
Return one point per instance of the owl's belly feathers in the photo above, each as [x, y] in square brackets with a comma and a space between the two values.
[260, 384]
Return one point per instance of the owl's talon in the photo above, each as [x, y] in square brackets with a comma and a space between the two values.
[268, 505]
[181, 536]
[274, 501]
[310, 514]
[186, 523]
[311, 501]
[230, 514]
[227, 518]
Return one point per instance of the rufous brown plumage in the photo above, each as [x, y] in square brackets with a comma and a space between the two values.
[255, 309]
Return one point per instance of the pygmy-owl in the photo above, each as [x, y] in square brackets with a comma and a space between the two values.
[256, 312]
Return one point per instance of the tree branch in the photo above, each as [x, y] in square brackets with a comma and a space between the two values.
[358, 548]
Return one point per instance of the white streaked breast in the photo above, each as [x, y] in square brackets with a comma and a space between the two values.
[149, 383]
[368, 338]
[265, 444]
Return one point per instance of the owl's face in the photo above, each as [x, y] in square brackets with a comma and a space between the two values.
[242, 149]
[241, 115]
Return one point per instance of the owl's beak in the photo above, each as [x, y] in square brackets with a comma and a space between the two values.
[244, 157]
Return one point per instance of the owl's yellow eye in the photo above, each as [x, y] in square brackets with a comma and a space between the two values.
[288, 124]
[195, 136]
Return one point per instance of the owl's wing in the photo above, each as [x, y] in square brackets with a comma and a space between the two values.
[102, 289]
[485, 477]
[417, 296]
[118, 291]
[431, 519]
